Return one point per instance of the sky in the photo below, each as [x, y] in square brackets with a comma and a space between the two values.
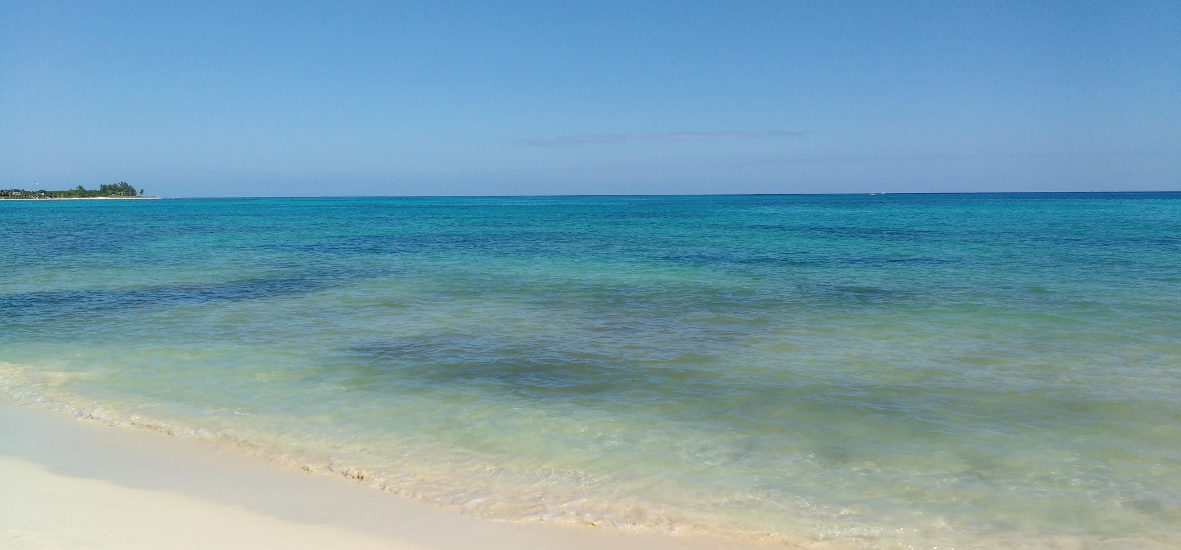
[299, 98]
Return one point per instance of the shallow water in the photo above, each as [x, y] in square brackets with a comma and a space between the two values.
[870, 371]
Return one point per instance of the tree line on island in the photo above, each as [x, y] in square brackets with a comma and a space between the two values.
[121, 189]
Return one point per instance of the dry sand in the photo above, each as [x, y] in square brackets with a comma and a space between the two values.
[79, 484]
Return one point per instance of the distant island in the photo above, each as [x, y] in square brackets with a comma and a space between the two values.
[121, 190]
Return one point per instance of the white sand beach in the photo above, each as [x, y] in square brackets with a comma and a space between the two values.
[80, 484]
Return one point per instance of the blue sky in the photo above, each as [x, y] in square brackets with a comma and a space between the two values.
[411, 98]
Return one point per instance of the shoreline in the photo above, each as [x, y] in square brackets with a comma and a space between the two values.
[72, 483]
[81, 199]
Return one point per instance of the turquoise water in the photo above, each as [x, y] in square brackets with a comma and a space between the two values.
[892, 371]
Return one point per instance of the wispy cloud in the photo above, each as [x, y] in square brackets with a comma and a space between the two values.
[650, 137]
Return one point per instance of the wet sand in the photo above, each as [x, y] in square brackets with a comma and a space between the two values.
[80, 484]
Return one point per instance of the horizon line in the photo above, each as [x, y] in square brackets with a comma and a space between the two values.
[575, 195]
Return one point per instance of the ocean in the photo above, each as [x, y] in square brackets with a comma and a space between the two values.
[860, 371]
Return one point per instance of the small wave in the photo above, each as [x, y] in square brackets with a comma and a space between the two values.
[486, 491]
[472, 486]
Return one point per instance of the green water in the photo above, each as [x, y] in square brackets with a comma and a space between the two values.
[972, 371]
